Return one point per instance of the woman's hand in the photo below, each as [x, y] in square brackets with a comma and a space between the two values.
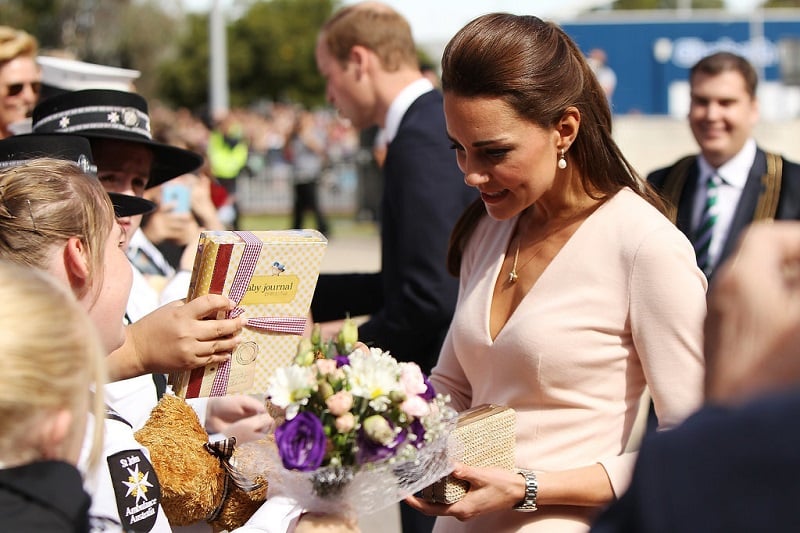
[491, 489]
[238, 415]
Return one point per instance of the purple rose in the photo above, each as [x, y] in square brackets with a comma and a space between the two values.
[429, 393]
[342, 360]
[418, 430]
[301, 442]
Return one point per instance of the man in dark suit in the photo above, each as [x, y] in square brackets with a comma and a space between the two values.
[734, 465]
[367, 55]
[732, 182]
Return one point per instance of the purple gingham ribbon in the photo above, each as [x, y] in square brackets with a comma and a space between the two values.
[252, 249]
[289, 324]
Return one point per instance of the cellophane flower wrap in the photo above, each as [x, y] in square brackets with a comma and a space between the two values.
[357, 430]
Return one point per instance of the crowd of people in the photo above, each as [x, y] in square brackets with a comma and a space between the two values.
[525, 263]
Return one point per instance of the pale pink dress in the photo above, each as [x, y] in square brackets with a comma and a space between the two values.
[621, 306]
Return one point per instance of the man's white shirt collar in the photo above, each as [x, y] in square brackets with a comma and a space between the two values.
[400, 105]
[736, 170]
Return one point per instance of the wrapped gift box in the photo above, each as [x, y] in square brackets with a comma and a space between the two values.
[272, 276]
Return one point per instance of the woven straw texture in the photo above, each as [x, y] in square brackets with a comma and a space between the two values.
[486, 440]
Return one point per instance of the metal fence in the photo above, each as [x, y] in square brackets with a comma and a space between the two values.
[268, 188]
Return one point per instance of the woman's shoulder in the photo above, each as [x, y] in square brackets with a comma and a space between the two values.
[629, 211]
[631, 222]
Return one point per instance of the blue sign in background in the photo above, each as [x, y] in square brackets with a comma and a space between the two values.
[643, 79]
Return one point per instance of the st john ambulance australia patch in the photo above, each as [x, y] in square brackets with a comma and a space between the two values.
[136, 489]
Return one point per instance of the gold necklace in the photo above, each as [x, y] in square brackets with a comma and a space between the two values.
[513, 275]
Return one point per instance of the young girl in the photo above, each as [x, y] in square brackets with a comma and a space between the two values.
[51, 356]
[57, 218]
[53, 216]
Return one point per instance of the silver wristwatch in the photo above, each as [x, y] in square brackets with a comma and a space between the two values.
[528, 503]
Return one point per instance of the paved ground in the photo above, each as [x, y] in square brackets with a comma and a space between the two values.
[352, 253]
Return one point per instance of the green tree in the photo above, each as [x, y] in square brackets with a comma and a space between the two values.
[270, 56]
[118, 33]
[183, 75]
[271, 51]
[782, 3]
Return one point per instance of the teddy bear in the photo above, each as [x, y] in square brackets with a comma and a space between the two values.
[219, 483]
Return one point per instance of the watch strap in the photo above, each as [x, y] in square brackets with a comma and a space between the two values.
[528, 503]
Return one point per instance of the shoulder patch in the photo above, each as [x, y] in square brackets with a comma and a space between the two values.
[136, 489]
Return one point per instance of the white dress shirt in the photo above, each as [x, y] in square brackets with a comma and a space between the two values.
[734, 175]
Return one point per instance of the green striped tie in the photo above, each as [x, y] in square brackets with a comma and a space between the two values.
[705, 229]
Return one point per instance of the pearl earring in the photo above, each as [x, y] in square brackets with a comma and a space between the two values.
[562, 162]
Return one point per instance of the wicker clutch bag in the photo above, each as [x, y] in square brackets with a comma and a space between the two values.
[486, 433]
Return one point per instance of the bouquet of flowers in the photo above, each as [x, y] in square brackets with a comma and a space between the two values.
[357, 430]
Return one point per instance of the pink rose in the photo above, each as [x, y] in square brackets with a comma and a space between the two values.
[339, 403]
[411, 379]
[326, 366]
[415, 406]
[345, 423]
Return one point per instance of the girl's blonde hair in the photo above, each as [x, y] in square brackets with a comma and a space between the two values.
[51, 356]
[44, 202]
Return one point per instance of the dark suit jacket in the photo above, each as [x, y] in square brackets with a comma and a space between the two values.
[788, 204]
[723, 470]
[411, 301]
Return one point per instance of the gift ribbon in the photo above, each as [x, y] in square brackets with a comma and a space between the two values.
[223, 450]
[286, 324]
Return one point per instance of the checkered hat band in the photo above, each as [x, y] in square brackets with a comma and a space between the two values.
[127, 119]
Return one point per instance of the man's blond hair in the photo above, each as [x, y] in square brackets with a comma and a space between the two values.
[375, 26]
[16, 43]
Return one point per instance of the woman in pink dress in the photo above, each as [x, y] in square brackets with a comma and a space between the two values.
[576, 292]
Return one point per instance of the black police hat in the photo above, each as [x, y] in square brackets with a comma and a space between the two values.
[113, 115]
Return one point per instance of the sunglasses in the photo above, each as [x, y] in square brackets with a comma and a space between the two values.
[13, 89]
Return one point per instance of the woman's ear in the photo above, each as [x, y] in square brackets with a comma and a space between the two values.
[568, 127]
[76, 264]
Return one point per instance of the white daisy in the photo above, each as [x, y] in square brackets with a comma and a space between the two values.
[292, 384]
[374, 376]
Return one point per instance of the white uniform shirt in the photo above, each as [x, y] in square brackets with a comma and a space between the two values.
[123, 486]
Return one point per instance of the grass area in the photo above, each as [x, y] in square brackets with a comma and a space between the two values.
[341, 225]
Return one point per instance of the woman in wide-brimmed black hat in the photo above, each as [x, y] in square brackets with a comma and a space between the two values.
[99, 114]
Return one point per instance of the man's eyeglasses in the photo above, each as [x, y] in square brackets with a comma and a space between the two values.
[13, 89]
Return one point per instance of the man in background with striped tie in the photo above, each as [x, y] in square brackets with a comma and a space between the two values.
[732, 182]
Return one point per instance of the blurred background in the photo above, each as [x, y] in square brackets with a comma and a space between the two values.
[246, 69]
[254, 61]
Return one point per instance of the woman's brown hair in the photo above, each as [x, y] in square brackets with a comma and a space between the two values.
[534, 67]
